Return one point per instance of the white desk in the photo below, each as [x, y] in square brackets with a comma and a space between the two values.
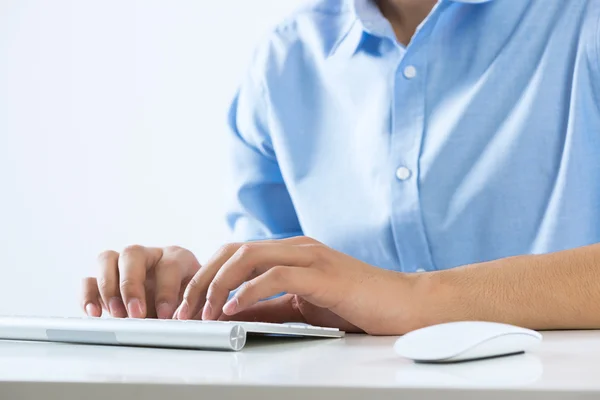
[567, 365]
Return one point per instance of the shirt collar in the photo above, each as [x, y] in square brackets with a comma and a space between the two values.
[367, 18]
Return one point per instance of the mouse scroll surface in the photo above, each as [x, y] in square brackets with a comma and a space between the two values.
[461, 341]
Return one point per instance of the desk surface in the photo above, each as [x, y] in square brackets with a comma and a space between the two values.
[566, 364]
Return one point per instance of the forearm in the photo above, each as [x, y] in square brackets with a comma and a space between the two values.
[551, 291]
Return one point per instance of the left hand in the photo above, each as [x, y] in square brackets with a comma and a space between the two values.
[324, 287]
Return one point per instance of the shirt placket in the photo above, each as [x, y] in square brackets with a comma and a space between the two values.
[408, 130]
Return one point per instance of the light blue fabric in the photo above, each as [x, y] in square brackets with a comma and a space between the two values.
[479, 140]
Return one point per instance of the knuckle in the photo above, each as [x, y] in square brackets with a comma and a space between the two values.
[278, 274]
[169, 264]
[215, 286]
[128, 286]
[320, 251]
[246, 249]
[193, 286]
[107, 256]
[178, 257]
[228, 248]
[132, 250]
[193, 283]
[247, 287]
[211, 293]
[232, 247]
[104, 286]
[174, 250]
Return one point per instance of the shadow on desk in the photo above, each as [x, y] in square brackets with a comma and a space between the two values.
[257, 341]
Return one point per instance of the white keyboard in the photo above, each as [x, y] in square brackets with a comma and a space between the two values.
[205, 335]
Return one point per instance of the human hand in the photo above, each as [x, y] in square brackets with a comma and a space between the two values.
[324, 287]
[139, 282]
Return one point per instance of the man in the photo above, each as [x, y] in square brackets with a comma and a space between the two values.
[408, 137]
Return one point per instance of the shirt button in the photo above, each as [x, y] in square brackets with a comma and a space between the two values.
[410, 72]
[420, 270]
[403, 173]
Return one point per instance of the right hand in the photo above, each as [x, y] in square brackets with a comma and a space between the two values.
[140, 282]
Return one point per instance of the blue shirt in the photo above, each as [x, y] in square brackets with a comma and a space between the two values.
[477, 141]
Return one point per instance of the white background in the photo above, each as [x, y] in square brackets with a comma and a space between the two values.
[112, 120]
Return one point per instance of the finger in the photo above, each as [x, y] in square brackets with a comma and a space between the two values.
[90, 301]
[169, 276]
[278, 310]
[108, 284]
[286, 309]
[195, 293]
[182, 288]
[250, 261]
[133, 264]
[293, 280]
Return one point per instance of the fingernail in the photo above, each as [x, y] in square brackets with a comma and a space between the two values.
[231, 306]
[164, 311]
[134, 307]
[207, 312]
[92, 310]
[117, 308]
[183, 311]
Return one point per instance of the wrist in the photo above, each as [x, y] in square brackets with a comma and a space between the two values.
[434, 298]
[397, 303]
[434, 295]
[425, 295]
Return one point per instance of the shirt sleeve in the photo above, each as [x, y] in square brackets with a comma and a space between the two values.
[260, 206]
[596, 59]
[598, 47]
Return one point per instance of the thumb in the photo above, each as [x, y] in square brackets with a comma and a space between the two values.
[278, 310]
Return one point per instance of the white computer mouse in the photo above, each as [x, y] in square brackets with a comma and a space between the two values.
[467, 340]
